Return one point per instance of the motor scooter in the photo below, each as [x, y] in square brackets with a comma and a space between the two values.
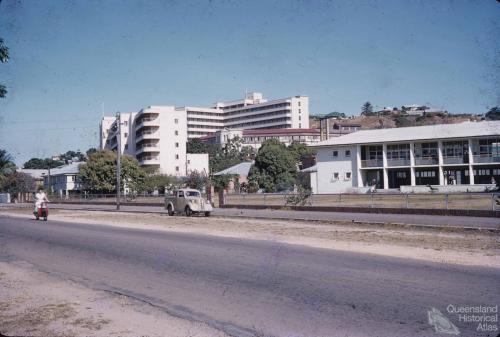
[41, 212]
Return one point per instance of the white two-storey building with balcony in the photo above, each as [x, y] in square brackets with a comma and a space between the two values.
[456, 157]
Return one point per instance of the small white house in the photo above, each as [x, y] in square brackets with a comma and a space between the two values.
[63, 180]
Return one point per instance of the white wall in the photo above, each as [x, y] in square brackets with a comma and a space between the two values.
[197, 162]
[104, 129]
[303, 123]
[172, 157]
[327, 165]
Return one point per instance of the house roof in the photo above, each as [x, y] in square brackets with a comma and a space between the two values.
[34, 173]
[279, 132]
[241, 169]
[428, 132]
[66, 169]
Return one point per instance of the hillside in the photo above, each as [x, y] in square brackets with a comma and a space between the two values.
[397, 120]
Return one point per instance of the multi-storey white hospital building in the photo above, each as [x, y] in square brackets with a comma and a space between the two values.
[456, 157]
[157, 135]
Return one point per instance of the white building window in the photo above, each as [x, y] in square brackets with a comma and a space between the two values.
[335, 176]
[335, 154]
[176, 132]
[176, 156]
[347, 153]
[347, 176]
[176, 121]
[177, 169]
[125, 134]
[176, 144]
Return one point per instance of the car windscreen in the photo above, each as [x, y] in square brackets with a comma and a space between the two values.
[192, 194]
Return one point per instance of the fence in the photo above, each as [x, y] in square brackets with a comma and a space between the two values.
[465, 201]
[111, 198]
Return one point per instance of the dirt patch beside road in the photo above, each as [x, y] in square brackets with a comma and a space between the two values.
[33, 303]
[448, 246]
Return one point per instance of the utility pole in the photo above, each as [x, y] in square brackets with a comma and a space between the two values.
[118, 159]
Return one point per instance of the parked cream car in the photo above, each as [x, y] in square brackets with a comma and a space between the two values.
[188, 201]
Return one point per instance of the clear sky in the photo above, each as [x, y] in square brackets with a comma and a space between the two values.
[70, 58]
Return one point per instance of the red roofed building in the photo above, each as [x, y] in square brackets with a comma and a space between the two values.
[254, 138]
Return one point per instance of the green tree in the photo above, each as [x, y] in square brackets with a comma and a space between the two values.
[98, 174]
[493, 114]
[300, 150]
[42, 164]
[91, 151]
[70, 155]
[195, 145]
[275, 165]
[367, 109]
[4, 58]
[7, 165]
[18, 182]
[197, 180]
[132, 175]
[160, 182]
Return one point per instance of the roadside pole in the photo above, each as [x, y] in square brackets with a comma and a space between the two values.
[118, 160]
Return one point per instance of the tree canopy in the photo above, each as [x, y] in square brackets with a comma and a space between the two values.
[7, 166]
[275, 166]
[366, 109]
[18, 182]
[42, 164]
[4, 58]
[98, 174]
[493, 114]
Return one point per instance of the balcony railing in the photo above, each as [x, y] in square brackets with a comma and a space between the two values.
[398, 162]
[486, 159]
[426, 161]
[372, 163]
[147, 135]
[149, 160]
[455, 160]
[146, 121]
[147, 148]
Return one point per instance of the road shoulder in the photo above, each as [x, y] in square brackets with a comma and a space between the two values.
[38, 304]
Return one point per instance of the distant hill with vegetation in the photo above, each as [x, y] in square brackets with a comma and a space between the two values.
[395, 120]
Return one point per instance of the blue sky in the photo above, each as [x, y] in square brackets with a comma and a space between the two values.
[68, 58]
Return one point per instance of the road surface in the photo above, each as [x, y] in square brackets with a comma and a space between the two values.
[250, 287]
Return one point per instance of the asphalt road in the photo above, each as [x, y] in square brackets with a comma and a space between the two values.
[254, 288]
[413, 219]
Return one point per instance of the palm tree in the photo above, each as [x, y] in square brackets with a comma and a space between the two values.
[4, 58]
[6, 164]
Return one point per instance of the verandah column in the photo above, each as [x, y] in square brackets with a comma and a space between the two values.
[384, 166]
[412, 164]
[358, 166]
[471, 162]
[440, 162]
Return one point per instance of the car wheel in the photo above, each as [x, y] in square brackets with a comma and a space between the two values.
[188, 210]
[207, 213]
[169, 210]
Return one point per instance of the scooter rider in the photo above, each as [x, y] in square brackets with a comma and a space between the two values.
[40, 197]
